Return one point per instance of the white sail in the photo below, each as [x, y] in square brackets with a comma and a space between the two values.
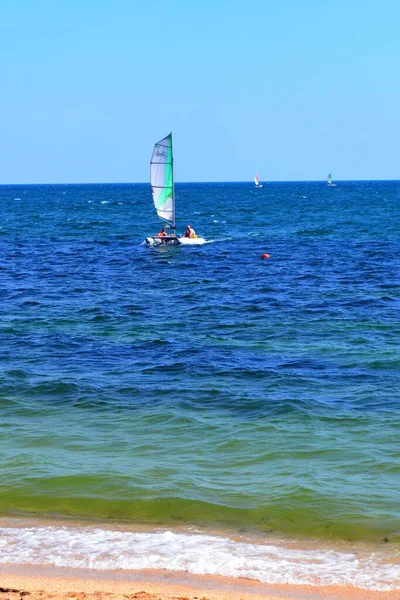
[162, 180]
[257, 181]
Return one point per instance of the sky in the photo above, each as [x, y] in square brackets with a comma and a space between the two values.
[293, 89]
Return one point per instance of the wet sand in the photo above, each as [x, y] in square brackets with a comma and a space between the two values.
[48, 583]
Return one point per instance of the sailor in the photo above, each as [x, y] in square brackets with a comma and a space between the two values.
[162, 233]
[190, 232]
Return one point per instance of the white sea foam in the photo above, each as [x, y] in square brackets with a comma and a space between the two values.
[192, 241]
[273, 563]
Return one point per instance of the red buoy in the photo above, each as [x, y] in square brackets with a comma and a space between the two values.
[264, 255]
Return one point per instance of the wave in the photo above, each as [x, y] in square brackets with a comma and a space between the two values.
[270, 561]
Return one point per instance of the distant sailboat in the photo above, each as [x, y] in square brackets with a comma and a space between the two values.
[163, 191]
[330, 184]
[257, 181]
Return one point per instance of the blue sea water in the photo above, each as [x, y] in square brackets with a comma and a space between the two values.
[203, 393]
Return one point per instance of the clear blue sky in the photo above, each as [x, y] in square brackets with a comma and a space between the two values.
[291, 88]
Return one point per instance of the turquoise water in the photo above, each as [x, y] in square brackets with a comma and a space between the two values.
[203, 386]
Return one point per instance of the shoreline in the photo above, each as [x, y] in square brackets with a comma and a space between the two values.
[46, 583]
[108, 552]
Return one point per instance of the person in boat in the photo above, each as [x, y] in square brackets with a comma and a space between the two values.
[190, 232]
[162, 233]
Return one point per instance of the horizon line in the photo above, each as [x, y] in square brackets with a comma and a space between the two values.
[246, 181]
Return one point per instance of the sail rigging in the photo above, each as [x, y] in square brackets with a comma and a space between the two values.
[162, 180]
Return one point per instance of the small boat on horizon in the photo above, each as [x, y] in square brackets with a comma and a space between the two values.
[257, 181]
[330, 184]
[163, 191]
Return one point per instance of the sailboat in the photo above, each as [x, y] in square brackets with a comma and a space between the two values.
[257, 181]
[330, 184]
[162, 188]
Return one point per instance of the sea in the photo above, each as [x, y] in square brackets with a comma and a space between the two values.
[230, 408]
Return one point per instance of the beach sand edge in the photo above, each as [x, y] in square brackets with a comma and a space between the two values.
[49, 583]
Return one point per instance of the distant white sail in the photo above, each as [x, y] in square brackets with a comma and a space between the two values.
[162, 180]
[330, 184]
[257, 181]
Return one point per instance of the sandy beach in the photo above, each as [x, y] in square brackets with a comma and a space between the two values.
[45, 583]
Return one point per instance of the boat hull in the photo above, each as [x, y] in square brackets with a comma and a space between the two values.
[196, 241]
[167, 240]
[173, 240]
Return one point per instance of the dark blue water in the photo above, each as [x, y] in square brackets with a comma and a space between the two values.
[203, 383]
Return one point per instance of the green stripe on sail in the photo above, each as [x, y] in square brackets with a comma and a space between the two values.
[168, 181]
